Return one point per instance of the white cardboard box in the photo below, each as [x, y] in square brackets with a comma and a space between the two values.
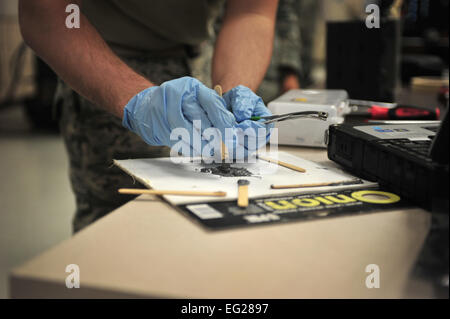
[308, 132]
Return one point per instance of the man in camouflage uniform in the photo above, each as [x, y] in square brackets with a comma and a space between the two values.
[154, 41]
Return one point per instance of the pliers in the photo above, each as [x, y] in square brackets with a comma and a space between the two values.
[290, 116]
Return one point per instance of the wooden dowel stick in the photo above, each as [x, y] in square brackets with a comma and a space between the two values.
[218, 89]
[284, 164]
[223, 149]
[243, 193]
[309, 185]
[243, 196]
[135, 191]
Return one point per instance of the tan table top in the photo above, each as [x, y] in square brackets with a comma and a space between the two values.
[147, 248]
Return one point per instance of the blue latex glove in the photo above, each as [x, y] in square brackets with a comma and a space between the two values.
[156, 111]
[245, 104]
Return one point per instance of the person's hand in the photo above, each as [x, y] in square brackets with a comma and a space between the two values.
[156, 111]
[245, 104]
[290, 82]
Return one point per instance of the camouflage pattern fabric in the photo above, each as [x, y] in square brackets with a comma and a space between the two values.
[93, 138]
[201, 65]
[308, 14]
[286, 50]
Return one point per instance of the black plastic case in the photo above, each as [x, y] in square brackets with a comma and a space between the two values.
[417, 179]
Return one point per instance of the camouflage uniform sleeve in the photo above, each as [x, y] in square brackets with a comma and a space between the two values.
[287, 47]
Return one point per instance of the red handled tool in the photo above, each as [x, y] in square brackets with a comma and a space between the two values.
[403, 112]
[391, 111]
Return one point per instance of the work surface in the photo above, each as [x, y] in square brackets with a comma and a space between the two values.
[147, 248]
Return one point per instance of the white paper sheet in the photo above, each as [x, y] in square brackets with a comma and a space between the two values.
[163, 174]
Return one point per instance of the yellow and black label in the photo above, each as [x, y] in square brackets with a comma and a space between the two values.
[217, 215]
[331, 200]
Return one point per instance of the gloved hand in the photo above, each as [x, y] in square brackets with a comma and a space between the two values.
[156, 111]
[245, 104]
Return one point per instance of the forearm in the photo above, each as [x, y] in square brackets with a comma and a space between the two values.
[244, 46]
[79, 56]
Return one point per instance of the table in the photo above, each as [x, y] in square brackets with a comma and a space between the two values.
[147, 248]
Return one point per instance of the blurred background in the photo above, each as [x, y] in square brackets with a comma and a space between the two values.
[36, 202]
[409, 55]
